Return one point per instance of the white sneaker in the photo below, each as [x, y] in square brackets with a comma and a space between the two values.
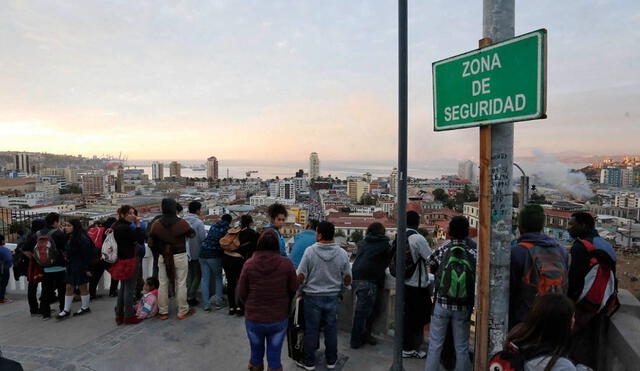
[331, 366]
[413, 354]
[302, 365]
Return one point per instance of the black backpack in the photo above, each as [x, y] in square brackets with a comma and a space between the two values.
[409, 264]
[456, 276]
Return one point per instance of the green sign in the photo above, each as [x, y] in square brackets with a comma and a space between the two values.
[503, 82]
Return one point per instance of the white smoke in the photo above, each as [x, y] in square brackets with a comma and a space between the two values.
[547, 170]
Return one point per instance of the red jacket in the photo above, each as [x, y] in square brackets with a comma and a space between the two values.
[267, 284]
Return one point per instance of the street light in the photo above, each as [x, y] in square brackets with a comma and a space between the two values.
[524, 187]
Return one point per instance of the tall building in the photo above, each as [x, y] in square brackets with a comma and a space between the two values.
[466, 170]
[611, 176]
[356, 188]
[287, 189]
[627, 176]
[393, 181]
[300, 173]
[157, 171]
[174, 169]
[22, 163]
[120, 180]
[93, 184]
[212, 168]
[314, 166]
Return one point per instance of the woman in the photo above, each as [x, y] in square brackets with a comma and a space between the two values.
[34, 272]
[544, 339]
[79, 252]
[278, 216]
[126, 238]
[267, 284]
[232, 261]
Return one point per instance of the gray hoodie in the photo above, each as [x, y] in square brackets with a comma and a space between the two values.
[324, 267]
[193, 244]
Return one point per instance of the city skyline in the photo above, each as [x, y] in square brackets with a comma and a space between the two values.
[165, 82]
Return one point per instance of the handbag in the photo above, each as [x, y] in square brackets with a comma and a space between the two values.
[125, 269]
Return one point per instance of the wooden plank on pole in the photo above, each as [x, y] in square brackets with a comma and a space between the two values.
[484, 248]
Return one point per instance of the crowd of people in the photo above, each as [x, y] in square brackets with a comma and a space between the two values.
[554, 321]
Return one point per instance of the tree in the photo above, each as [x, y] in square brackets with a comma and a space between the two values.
[537, 199]
[440, 195]
[356, 236]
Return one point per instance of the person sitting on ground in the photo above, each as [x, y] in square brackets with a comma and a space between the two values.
[80, 252]
[303, 240]
[372, 258]
[544, 338]
[534, 249]
[277, 217]
[148, 305]
[267, 284]
[6, 261]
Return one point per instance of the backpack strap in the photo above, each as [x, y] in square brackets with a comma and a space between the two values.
[587, 244]
[527, 245]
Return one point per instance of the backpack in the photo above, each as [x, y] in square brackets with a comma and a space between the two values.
[456, 276]
[212, 241]
[600, 291]
[109, 250]
[409, 264]
[45, 252]
[96, 234]
[546, 271]
[231, 241]
[509, 359]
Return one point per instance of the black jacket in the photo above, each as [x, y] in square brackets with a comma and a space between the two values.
[248, 241]
[126, 238]
[80, 253]
[372, 259]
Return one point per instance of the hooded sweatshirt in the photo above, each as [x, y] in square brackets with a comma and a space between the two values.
[267, 283]
[324, 265]
[372, 258]
[518, 308]
[301, 242]
[193, 243]
[169, 230]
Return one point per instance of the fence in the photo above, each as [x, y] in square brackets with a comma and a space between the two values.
[14, 220]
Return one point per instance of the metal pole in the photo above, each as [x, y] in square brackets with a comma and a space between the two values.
[498, 25]
[402, 184]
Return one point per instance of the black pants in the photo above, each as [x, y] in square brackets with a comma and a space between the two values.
[587, 345]
[32, 295]
[232, 267]
[52, 282]
[97, 270]
[417, 313]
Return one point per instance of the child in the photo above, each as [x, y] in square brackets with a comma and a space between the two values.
[148, 305]
[6, 261]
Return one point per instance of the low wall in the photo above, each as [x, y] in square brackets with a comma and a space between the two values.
[623, 336]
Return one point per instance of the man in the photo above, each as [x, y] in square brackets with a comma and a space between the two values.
[211, 263]
[303, 240]
[591, 327]
[193, 250]
[6, 261]
[168, 236]
[323, 271]
[538, 264]
[448, 309]
[417, 303]
[53, 278]
[372, 259]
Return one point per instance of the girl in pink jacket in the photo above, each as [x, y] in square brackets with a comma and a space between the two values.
[148, 305]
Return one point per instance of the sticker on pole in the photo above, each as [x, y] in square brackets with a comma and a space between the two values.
[500, 83]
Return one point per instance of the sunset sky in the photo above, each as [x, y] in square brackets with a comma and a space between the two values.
[276, 80]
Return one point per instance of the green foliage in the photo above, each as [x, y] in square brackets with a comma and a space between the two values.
[356, 236]
[440, 195]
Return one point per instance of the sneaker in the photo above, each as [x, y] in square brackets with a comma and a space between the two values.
[331, 366]
[207, 309]
[232, 311]
[413, 354]
[220, 305]
[190, 313]
[82, 311]
[62, 315]
[164, 317]
[302, 365]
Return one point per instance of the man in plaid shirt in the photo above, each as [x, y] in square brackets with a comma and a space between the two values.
[444, 311]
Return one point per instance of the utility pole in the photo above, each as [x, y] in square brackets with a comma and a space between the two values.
[493, 311]
[401, 236]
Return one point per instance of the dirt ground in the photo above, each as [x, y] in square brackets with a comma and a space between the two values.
[628, 272]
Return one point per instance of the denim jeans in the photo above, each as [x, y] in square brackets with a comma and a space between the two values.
[274, 334]
[366, 310]
[211, 267]
[460, 321]
[320, 311]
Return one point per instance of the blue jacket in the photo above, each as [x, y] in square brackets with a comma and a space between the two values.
[210, 248]
[302, 240]
[518, 309]
[283, 244]
[6, 257]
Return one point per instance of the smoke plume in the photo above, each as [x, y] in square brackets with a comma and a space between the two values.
[547, 170]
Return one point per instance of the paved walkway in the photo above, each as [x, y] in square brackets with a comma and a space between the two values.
[206, 341]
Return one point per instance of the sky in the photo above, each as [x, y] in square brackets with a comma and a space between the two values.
[275, 80]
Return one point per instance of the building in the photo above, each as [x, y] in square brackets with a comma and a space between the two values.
[157, 171]
[356, 188]
[466, 170]
[627, 200]
[212, 168]
[611, 176]
[95, 184]
[174, 169]
[299, 214]
[471, 210]
[23, 163]
[627, 175]
[262, 200]
[300, 173]
[393, 182]
[120, 180]
[287, 189]
[314, 166]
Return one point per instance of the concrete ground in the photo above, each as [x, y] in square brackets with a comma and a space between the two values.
[206, 341]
